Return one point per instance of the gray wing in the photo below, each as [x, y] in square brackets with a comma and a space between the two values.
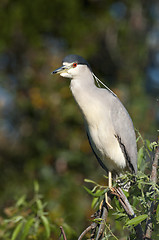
[125, 134]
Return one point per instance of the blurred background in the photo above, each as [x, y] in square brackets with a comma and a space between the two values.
[42, 135]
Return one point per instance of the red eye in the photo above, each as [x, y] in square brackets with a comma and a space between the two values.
[74, 65]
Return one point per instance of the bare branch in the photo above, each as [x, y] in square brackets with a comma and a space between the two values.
[102, 225]
[62, 233]
[102, 213]
[154, 166]
[84, 232]
[93, 230]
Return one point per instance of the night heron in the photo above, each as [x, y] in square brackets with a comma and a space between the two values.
[108, 125]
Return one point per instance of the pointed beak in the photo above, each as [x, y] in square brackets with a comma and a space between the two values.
[60, 70]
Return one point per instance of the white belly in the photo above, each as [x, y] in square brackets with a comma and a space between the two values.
[107, 145]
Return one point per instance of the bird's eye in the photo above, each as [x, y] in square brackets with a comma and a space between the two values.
[74, 65]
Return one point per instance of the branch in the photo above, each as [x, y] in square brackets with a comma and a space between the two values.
[62, 233]
[148, 230]
[128, 209]
[124, 202]
[84, 232]
[102, 224]
[102, 213]
[93, 230]
[154, 166]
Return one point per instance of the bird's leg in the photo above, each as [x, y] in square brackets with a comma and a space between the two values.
[110, 180]
[110, 187]
[107, 202]
[106, 194]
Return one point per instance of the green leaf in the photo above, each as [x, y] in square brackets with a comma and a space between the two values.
[148, 145]
[21, 201]
[135, 221]
[39, 204]
[36, 186]
[119, 216]
[94, 189]
[94, 202]
[98, 193]
[89, 191]
[157, 213]
[27, 228]
[90, 181]
[99, 220]
[17, 231]
[46, 225]
[140, 157]
[17, 219]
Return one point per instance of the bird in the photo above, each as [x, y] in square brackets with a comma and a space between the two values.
[108, 125]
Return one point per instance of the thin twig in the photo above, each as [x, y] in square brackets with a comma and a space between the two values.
[102, 224]
[93, 226]
[148, 230]
[93, 230]
[154, 166]
[62, 233]
[84, 232]
[111, 232]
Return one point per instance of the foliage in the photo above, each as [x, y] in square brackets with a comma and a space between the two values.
[142, 194]
[30, 219]
[27, 219]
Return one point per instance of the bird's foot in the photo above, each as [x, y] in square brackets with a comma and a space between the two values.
[114, 191]
[107, 202]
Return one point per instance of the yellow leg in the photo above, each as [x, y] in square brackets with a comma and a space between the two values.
[110, 179]
[106, 195]
[106, 200]
[101, 204]
[110, 187]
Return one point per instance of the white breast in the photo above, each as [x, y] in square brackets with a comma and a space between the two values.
[108, 146]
